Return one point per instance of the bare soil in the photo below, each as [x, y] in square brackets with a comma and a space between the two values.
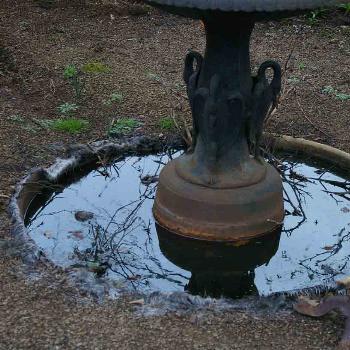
[144, 50]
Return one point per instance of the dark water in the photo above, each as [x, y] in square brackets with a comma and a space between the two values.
[121, 241]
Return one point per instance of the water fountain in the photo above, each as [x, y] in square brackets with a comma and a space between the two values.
[91, 213]
[222, 189]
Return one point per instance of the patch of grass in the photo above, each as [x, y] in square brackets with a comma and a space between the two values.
[167, 123]
[70, 125]
[123, 126]
[115, 97]
[67, 108]
[95, 67]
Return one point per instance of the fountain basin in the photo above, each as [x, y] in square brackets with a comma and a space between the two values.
[311, 251]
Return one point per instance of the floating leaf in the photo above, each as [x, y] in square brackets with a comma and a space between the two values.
[77, 234]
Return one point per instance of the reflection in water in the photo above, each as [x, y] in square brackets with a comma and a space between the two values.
[218, 269]
[119, 239]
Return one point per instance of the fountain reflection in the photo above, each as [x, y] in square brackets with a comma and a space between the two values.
[219, 268]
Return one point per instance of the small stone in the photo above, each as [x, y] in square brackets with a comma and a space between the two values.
[83, 216]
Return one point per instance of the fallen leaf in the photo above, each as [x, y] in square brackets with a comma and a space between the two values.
[328, 247]
[306, 306]
[137, 302]
[77, 234]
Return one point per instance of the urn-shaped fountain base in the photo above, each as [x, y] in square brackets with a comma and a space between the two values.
[218, 214]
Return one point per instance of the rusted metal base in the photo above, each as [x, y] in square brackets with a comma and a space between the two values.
[228, 214]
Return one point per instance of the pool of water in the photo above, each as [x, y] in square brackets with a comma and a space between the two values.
[103, 223]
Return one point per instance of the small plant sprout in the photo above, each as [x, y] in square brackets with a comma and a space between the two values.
[342, 97]
[153, 76]
[70, 71]
[293, 80]
[329, 90]
[167, 123]
[73, 75]
[67, 109]
[95, 67]
[70, 125]
[345, 7]
[301, 65]
[16, 118]
[114, 98]
[314, 16]
[123, 126]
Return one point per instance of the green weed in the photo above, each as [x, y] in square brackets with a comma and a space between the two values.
[73, 75]
[115, 97]
[123, 126]
[314, 16]
[342, 97]
[167, 123]
[345, 7]
[67, 108]
[329, 90]
[70, 71]
[70, 125]
[301, 66]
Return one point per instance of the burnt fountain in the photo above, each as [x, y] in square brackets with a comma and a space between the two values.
[222, 189]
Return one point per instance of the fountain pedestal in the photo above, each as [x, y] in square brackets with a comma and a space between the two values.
[222, 189]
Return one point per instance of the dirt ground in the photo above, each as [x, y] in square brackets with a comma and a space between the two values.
[144, 51]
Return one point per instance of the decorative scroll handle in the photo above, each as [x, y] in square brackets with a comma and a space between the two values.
[263, 98]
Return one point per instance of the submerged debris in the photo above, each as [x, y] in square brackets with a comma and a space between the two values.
[83, 216]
